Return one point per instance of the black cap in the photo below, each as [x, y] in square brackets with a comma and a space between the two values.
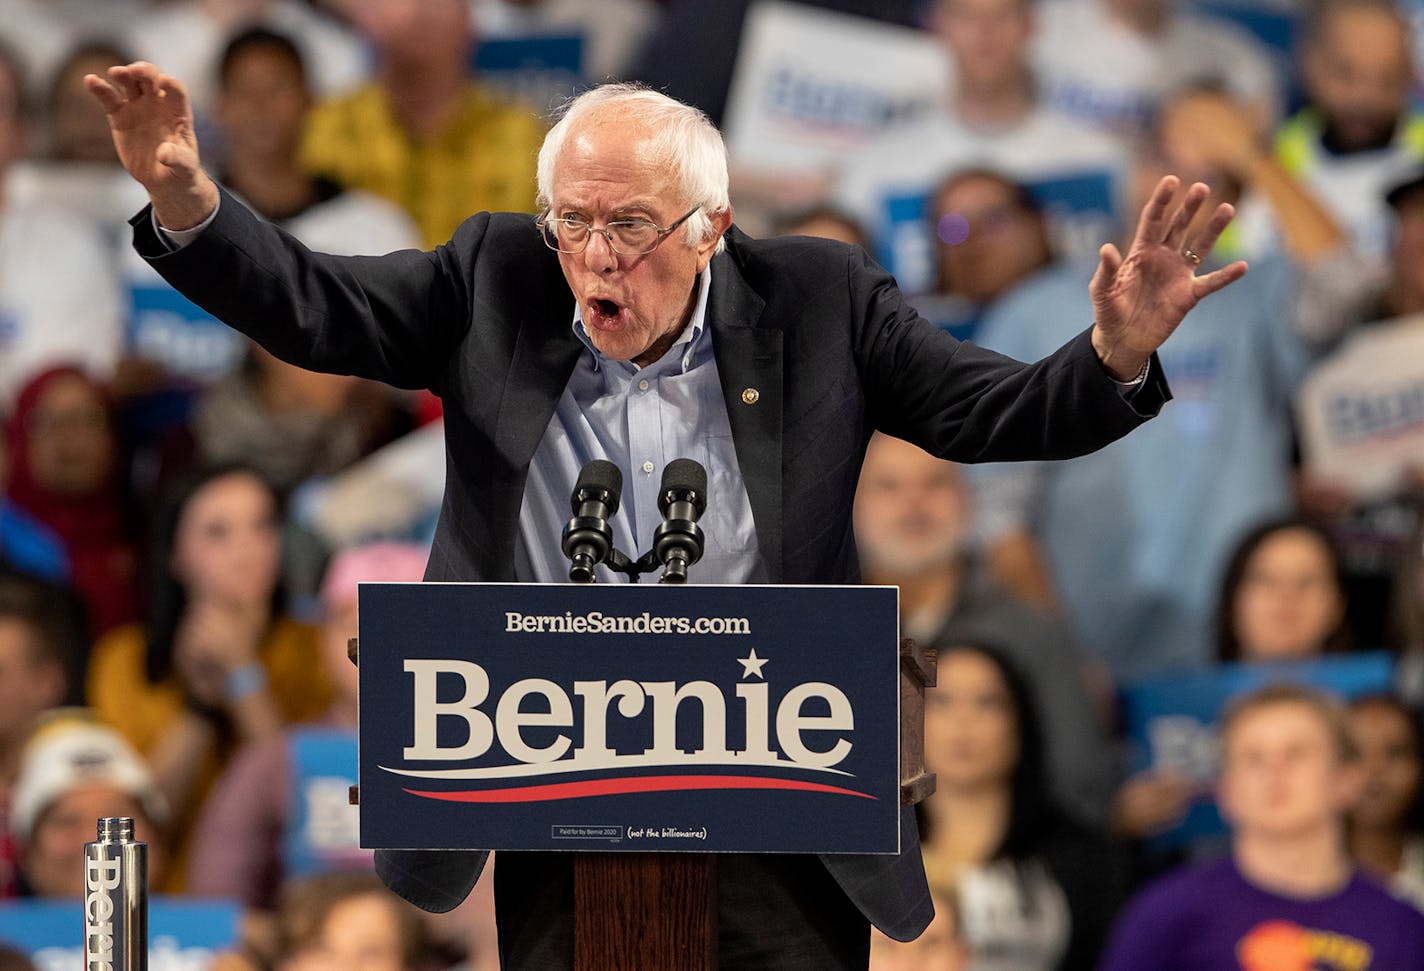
[1411, 185]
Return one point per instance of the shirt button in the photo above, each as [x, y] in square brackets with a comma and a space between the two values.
[647, 467]
[643, 385]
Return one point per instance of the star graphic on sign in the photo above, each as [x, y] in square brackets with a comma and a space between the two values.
[751, 664]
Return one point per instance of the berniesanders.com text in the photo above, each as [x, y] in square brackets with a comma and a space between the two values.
[597, 622]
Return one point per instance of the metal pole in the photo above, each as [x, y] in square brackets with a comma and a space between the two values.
[116, 899]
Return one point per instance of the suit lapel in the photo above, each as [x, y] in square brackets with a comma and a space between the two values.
[749, 367]
[544, 357]
[545, 353]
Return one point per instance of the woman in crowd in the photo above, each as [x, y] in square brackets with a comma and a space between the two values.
[217, 662]
[1282, 599]
[79, 132]
[1283, 596]
[1034, 889]
[247, 836]
[63, 474]
[1387, 821]
[341, 922]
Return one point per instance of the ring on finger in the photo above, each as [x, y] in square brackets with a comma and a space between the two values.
[1196, 260]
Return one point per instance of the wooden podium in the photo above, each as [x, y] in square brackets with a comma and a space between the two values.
[658, 910]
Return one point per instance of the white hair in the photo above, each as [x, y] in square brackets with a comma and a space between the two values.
[679, 135]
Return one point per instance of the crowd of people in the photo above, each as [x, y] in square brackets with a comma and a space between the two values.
[185, 517]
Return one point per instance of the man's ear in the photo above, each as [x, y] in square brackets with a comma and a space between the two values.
[721, 222]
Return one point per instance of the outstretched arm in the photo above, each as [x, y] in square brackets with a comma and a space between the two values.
[1139, 299]
[393, 318]
[152, 124]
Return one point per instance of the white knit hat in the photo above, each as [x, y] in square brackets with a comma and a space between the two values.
[72, 750]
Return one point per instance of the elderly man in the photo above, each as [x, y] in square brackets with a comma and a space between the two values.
[632, 322]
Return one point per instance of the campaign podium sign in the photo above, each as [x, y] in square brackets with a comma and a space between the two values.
[630, 718]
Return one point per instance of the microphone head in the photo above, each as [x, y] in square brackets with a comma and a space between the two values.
[689, 479]
[599, 479]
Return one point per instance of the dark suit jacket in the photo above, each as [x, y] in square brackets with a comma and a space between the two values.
[815, 327]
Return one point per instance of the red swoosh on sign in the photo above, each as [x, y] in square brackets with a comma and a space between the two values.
[614, 787]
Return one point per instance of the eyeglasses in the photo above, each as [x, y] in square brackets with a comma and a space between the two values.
[626, 237]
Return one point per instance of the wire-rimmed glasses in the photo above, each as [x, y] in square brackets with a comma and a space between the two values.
[626, 237]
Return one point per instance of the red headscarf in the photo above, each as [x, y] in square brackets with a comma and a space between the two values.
[90, 526]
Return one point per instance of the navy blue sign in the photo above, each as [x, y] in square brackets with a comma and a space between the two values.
[630, 717]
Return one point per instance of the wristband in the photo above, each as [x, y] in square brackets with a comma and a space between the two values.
[246, 680]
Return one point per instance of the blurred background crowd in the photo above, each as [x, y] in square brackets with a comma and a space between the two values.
[185, 518]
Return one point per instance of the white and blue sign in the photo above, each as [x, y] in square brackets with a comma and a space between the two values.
[630, 717]
[184, 934]
[1078, 206]
[166, 327]
[1172, 719]
[324, 830]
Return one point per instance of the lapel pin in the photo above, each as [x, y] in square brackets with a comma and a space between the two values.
[750, 396]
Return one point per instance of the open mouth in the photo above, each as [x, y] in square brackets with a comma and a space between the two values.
[607, 314]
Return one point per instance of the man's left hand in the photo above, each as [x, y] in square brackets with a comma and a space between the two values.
[1140, 299]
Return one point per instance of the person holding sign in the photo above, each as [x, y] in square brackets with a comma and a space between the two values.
[773, 360]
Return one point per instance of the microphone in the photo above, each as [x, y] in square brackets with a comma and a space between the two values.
[588, 539]
[677, 542]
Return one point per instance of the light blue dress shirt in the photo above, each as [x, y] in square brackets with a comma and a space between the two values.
[640, 419]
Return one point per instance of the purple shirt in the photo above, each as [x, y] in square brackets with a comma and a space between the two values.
[1210, 917]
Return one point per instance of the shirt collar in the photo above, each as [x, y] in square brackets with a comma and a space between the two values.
[688, 341]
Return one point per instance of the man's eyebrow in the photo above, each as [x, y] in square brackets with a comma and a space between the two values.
[636, 208]
[641, 205]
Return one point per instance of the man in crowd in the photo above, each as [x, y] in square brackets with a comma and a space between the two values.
[632, 321]
[1359, 135]
[914, 528]
[263, 102]
[995, 118]
[1110, 64]
[991, 234]
[1288, 896]
[1134, 537]
[424, 135]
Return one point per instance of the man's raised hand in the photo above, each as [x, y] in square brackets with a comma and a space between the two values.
[152, 125]
[1139, 300]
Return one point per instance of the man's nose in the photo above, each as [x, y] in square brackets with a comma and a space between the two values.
[598, 256]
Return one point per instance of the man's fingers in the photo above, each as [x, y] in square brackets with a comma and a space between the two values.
[1109, 260]
[135, 79]
[172, 89]
[1220, 219]
[109, 96]
[124, 79]
[1152, 224]
[1209, 283]
[1186, 213]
